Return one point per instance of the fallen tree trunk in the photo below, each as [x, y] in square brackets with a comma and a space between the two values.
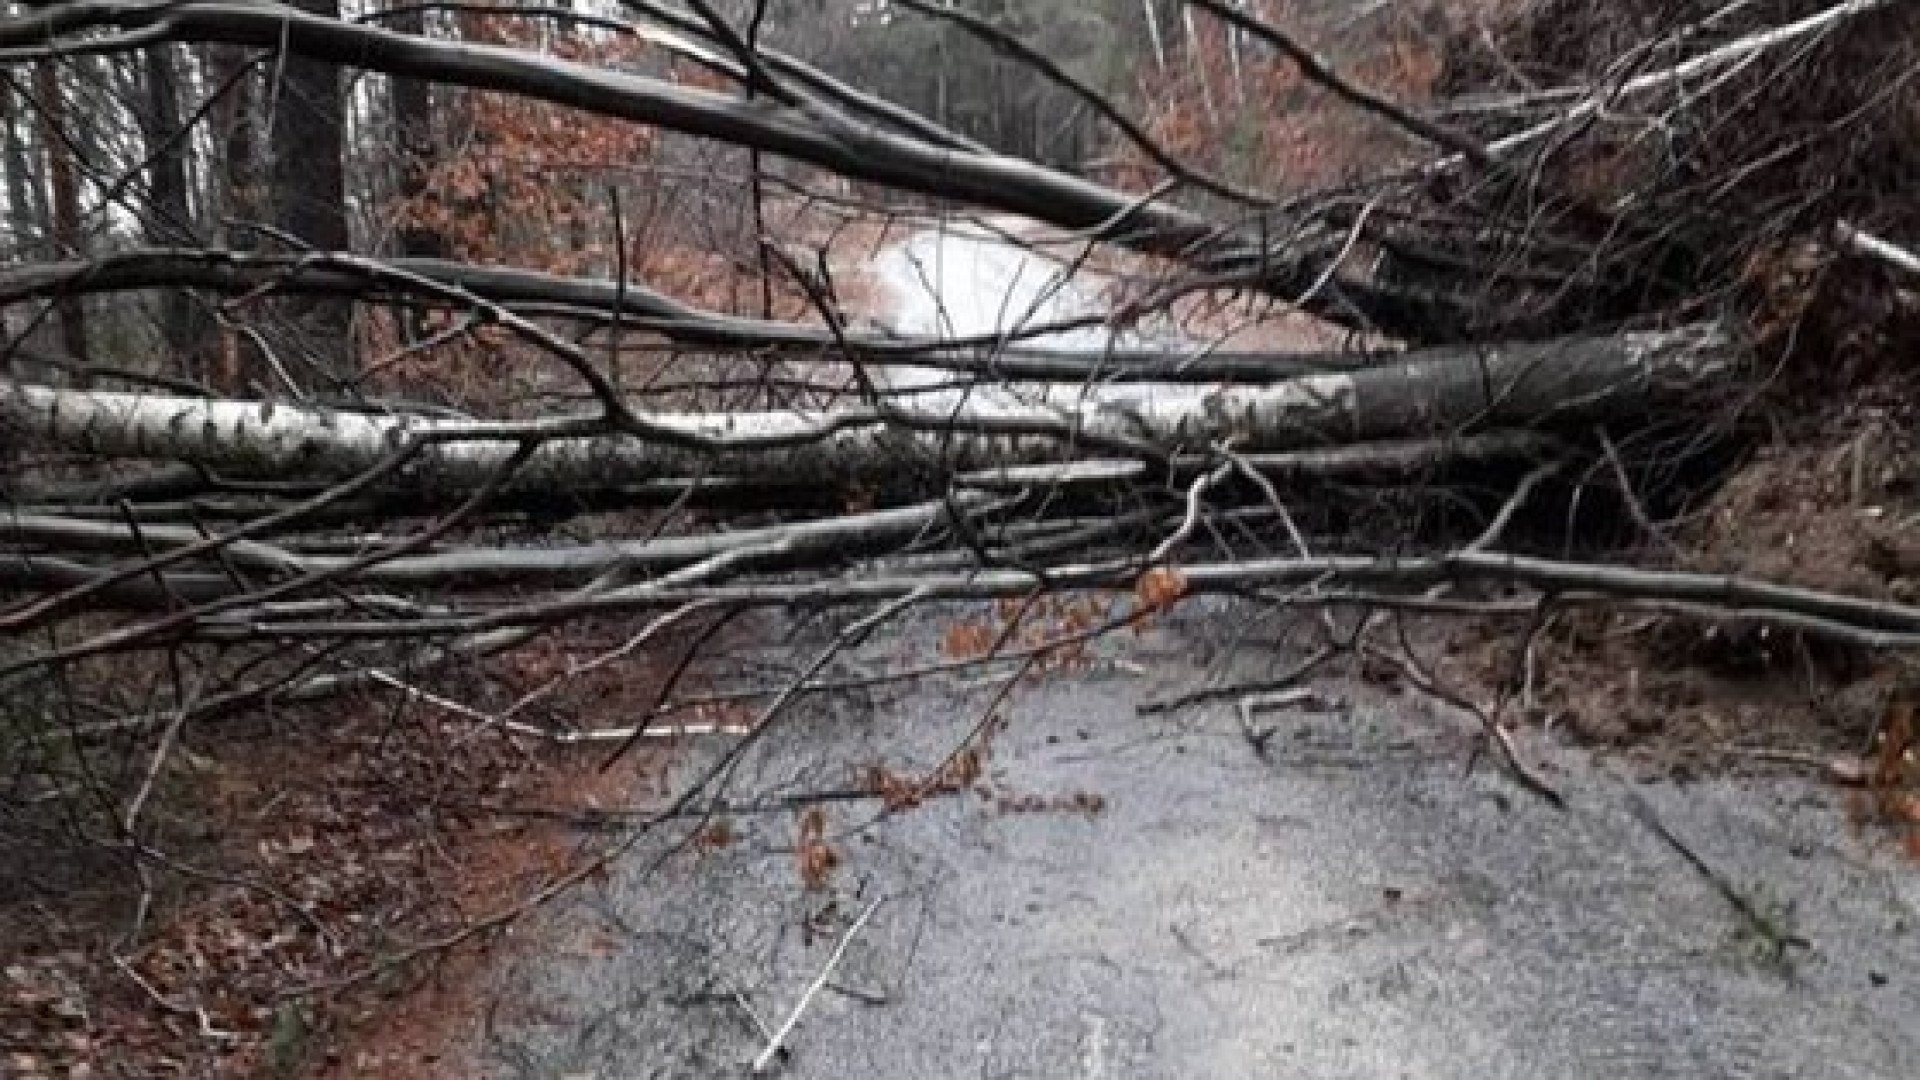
[1524, 386]
[48, 547]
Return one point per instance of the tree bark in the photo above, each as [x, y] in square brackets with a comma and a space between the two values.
[1574, 381]
[171, 217]
[25, 218]
[64, 189]
[237, 188]
[413, 129]
[306, 133]
[797, 542]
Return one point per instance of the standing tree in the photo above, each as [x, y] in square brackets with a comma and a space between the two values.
[63, 196]
[413, 129]
[170, 219]
[306, 121]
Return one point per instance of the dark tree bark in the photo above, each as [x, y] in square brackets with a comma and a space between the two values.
[171, 220]
[413, 128]
[64, 189]
[235, 189]
[24, 212]
[307, 137]
[166, 144]
[306, 133]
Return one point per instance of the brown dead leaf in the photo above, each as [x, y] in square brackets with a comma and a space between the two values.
[817, 859]
[964, 640]
[1159, 589]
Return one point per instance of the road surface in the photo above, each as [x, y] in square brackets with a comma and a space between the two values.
[1345, 899]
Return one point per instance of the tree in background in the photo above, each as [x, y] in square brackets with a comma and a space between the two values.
[170, 220]
[57, 164]
[415, 132]
[941, 70]
[306, 140]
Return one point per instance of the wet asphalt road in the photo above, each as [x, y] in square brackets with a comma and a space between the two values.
[1353, 902]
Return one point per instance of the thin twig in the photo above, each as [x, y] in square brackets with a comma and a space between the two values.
[168, 738]
[778, 1043]
[1489, 724]
[1861, 242]
[1635, 507]
[1292, 676]
[1778, 938]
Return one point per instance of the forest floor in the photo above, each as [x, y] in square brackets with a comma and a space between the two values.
[337, 874]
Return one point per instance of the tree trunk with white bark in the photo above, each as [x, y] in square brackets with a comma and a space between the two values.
[1527, 386]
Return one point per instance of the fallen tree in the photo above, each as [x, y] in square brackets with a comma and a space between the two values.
[1496, 338]
[1440, 382]
[1022, 443]
[1524, 386]
[1009, 355]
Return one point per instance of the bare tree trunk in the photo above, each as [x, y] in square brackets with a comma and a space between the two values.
[64, 186]
[234, 188]
[1197, 56]
[1436, 391]
[166, 146]
[307, 137]
[306, 133]
[171, 220]
[24, 217]
[413, 130]
[1236, 37]
[1154, 36]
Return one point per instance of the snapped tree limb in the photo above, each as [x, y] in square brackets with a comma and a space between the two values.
[1356, 580]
